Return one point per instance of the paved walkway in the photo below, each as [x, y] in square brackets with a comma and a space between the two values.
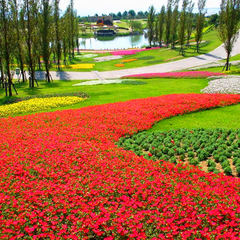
[214, 56]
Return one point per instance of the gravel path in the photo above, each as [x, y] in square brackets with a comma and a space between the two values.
[214, 56]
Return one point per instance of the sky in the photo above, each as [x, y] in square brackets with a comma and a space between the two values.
[90, 7]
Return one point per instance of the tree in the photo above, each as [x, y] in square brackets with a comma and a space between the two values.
[132, 13]
[137, 26]
[5, 23]
[214, 20]
[150, 24]
[119, 15]
[228, 25]
[200, 22]
[182, 24]
[189, 21]
[29, 22]
[161, 22]
[45, 26]
[140, 14]
[57, 38]
[18, 42]
[174, 25]
[168, 21]
[125, 14]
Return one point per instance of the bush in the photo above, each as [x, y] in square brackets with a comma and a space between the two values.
[194, 161]
[145, 58]
[225, 164]
[228, 171]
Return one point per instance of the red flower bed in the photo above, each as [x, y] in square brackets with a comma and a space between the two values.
[63, 177]
[193, 74]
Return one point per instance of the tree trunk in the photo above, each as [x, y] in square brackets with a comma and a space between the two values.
[227, 62]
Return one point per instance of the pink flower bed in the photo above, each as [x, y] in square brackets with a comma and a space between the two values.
[131, 51]
[63, 177]
[193, 74]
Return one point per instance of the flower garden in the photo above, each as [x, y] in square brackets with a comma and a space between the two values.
[63, 176]
[191, 74]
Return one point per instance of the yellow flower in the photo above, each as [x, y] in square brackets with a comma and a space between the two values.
[37, 104]
[82, 66]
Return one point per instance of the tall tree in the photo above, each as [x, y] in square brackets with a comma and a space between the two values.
[189, 21]
[30, 25]
[174, 25]
[168, 22]
[18, 43]
[161, 22]
[45, 27]
[150, 24]
[57, 38]
[5, 23]
[182, 25]
[228, 25]
[70, 16]
[200, 22]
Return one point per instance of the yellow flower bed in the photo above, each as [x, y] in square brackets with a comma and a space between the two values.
[129, 60]
[82, 66]
[37, 104]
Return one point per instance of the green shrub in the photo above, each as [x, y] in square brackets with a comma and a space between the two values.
[155, 61]
[222, 158]
[238, 171]
[211, 169]
[211, 163]
[228, 171]
[194, 161]
[225, 164]
[145, 58]
[133, 82]
[173, 160]
[191, 154]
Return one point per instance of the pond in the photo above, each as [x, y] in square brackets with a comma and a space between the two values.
[115, 42]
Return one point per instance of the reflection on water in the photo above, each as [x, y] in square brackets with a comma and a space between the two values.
[121, 42]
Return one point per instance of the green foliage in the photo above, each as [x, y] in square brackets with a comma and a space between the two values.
[228, 171]
[145, 57]
[155, 61]
[194, 146]
[130, 82]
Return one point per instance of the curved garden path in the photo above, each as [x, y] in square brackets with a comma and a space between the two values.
[214, 56]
